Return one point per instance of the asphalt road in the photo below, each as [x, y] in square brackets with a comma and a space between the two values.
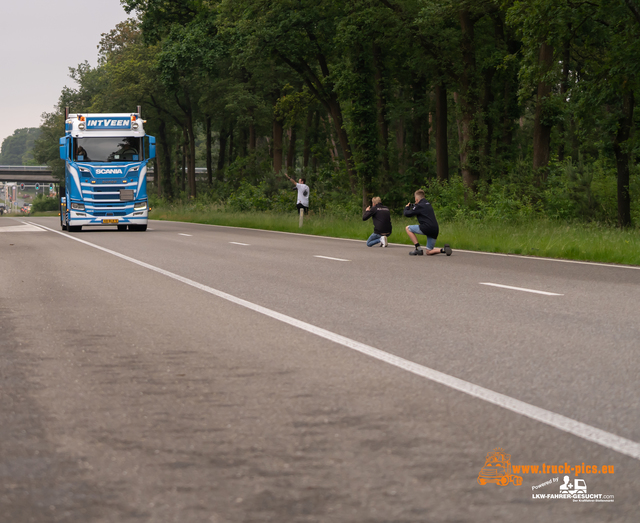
[133, 389]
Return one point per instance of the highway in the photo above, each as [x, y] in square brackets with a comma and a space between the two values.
[195, 373]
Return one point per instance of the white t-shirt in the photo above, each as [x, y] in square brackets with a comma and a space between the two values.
[303, 194]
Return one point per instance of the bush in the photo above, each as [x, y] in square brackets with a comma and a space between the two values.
[43, 204]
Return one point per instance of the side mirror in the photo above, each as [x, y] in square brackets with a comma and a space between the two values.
[152, 147]
[63, 148]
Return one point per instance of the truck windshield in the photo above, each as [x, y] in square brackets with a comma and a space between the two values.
[122, 149]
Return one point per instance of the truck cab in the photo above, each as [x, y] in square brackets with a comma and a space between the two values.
[497, 469]
[105, 184]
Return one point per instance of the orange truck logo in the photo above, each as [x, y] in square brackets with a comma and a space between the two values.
[497, 469]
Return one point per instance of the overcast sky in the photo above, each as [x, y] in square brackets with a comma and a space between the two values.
[39, 41]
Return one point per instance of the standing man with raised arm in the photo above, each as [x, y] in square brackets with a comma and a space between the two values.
[303, 193]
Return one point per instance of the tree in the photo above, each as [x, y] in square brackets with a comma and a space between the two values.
[17, 149]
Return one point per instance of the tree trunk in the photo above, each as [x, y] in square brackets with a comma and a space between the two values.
[417, 119]
[468, 104]
[456, 100]
[507, 120]
[291, 152]
[575, 144]
[564, 87]
[400, 144]
[336, 116]
[442, 145]
[542, 131]
[231, 144]
[183, 179]
[252, 136]
[277, 145]
[164, 164]
[620, 150]
[222, 139]
[381, 103]
[207, 125]
[307, 139]
[487, 101]
[244, 142]
[316, 133]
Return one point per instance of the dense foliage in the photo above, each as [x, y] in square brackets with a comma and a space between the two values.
[17, 149]
[499, 108]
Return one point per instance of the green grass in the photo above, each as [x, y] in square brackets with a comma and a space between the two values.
[535, 237]
[43, 213]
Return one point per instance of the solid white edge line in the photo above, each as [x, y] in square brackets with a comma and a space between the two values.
[329, 258]
[582, 430]
[506, 255]
[521, 289]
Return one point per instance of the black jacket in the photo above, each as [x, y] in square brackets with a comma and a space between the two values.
[426, 217]
[381, 219]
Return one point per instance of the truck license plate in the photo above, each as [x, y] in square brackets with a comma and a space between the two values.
[110, 220]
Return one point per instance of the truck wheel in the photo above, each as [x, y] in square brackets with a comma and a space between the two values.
[122, 227]
[504, 481]
[63, 225]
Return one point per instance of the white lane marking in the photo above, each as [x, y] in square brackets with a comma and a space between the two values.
[183, 234]
[20, 228]
[577, 428]
[558, 260]
[329, 258]
[533, 258]
[521, 289]
[238, 243]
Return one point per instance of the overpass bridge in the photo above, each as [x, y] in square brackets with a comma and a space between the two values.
[31, 174]
[28, 174]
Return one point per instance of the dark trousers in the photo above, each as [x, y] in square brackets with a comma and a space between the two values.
[300, 206]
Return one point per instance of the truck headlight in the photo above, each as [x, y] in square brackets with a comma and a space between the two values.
[140, 206]
[77, 206]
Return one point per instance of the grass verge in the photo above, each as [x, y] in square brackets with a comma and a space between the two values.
[535, 237]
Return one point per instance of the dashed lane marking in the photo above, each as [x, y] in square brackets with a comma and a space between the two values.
[20, 228]
[183, 234]
[577, 428]
[238, 243]
[521, 289]
[329, 258]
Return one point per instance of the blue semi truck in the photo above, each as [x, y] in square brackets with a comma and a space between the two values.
[105, 174]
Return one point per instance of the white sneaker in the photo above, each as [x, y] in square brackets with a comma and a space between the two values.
[383, 241]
